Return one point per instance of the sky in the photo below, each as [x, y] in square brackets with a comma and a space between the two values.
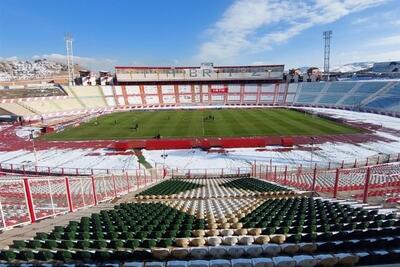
[188, 32]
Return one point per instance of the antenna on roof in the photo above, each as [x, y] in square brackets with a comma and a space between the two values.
[327, 52]
[70, 58]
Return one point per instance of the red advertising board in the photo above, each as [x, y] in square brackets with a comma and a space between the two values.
[219, 90]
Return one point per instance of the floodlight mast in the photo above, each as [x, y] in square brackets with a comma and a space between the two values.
[70, 58]
[327, 52]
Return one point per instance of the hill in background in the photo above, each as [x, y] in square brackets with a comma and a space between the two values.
[14, 70]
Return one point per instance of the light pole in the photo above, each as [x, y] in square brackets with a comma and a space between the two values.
[33, 146]
[312, 150]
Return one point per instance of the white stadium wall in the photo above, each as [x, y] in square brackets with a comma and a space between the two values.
[375, 96]
[205, 73]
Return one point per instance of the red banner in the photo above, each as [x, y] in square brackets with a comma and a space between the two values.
[219, 90]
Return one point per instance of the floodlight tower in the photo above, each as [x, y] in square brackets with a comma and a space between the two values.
[70, 58]
[327, 52]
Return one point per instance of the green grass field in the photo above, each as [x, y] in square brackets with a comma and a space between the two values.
[191, 123]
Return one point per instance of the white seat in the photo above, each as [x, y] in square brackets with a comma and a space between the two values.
[177, 264]
[154, 264]
[220, 263]
[133, 264]
[214, 241]
[230, 240]
[263, 262]
[198, 263]
[241, 263]
[246, 240]
[284, 261]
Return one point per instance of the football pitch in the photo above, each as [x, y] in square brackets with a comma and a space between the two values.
[202, 123]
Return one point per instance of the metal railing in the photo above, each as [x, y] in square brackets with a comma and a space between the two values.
[358, 183]
[24, 200]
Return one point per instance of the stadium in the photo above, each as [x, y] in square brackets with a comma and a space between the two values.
[201, 166]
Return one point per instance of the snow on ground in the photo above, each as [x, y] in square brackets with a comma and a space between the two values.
[195, 159]
[3, 127]
[243, 157]
[25, 131]
[377, 119]
[232, 159]
[70, 158]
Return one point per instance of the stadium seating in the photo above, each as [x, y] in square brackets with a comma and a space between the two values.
[67, 104]
[379, 96]
[312, 87]
[395, 90]
[370, 87]
[385, 103]
[340, 87]
[15, 108]
[330, 99]
[43, 106]
[354, 99]
[306, 98]
[205, 222]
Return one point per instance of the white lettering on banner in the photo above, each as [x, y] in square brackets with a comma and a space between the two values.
[192, 73]
[173, 72]
[222, 73]
[206, 72]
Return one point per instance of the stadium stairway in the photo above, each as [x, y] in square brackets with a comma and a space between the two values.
[322, 93]
[103, 96]
[349, 93]
[71, 92]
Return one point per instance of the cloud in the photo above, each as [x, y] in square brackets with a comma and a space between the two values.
[361, 21]
[90, 63]
[379, 19]
[385, 41]
[251, 26]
